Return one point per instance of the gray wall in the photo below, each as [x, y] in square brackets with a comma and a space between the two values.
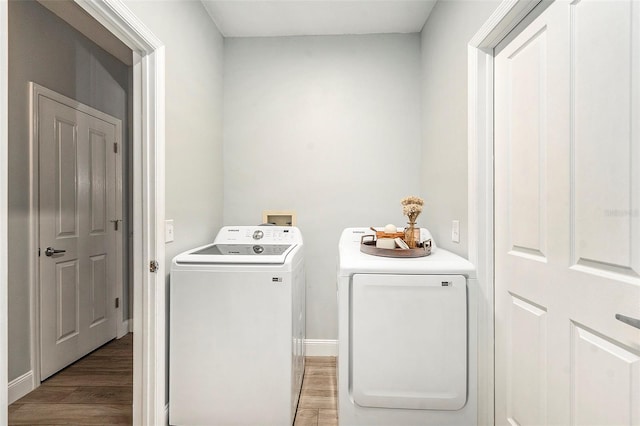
[193, 55]
[193, 67]
[43, 49]
[445, 37]
[328, 127]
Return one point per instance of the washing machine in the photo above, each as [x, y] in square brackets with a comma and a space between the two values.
[407, 337]
[237, 328]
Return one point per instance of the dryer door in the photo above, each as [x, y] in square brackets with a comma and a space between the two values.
[409, 341]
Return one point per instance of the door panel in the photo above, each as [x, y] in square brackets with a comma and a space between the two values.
[596, 361]
[527, 362]
[526, 158]
[99, 289]
[66, 152]
[76, 201]
[566, 109]
[67, 310]
[98, 182]
[601, 103]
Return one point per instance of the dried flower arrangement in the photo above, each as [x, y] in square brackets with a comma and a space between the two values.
[411, 207]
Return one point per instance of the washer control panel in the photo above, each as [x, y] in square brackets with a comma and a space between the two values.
[262, 234]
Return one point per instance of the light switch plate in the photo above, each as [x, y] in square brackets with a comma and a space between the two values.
[455, 231]
[168, 230]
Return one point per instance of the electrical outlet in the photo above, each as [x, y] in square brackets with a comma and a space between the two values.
[168, 230]
[455, 231]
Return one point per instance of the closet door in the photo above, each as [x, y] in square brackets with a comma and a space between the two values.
[567, 217]
[77, 194]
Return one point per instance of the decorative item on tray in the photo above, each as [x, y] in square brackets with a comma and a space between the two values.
[412, 207]
[392, 242]
[369, 244]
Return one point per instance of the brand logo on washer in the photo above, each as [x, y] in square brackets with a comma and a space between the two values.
[276, 279]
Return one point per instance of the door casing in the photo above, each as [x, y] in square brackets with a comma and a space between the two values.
[4, 195]
[480, 62]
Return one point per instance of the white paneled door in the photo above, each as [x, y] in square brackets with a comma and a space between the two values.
[567, 217]
[77, 190]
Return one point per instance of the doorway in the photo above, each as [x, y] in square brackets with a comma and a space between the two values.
[566, 239]
[148, 201]
[66, 255]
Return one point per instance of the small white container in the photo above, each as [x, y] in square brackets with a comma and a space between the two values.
[386, 243]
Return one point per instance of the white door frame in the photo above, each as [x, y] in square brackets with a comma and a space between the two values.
[481, 186]
[149, 371]
[4, 142]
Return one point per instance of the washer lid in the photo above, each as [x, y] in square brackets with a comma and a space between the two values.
[243, 250]
[237, 254]
[260, 245]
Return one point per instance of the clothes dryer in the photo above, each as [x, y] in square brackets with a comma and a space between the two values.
[407, 337]
[237, 324]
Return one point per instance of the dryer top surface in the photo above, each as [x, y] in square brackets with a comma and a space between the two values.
[440, 262]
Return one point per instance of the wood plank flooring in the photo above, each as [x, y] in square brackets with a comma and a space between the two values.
[318, 399]
[97, 390]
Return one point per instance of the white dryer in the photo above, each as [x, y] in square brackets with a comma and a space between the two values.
[407, 337]
[237, 324]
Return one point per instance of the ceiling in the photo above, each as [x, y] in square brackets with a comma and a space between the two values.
[269, 18]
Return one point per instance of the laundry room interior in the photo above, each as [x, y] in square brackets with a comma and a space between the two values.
[332, 112]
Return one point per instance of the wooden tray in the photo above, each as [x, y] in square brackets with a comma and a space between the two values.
[369, 247]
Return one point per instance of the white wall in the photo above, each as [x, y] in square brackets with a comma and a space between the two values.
[326, 126]
[444, 115]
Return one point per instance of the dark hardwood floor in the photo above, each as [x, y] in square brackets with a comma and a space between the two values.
[97, 390]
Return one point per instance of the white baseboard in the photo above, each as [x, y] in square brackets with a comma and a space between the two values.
[320, 347]
[20, 386]
[123, 328]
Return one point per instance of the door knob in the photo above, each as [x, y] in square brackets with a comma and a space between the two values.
[633, 322]
[50, 251]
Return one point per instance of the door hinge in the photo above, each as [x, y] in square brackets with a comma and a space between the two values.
[153, 266]
[117, 302]
[115, 147]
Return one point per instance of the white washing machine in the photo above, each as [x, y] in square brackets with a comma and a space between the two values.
[407, 337]
[237, 324]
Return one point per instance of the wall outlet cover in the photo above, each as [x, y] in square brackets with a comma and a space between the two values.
[168, 231]
[455, 231]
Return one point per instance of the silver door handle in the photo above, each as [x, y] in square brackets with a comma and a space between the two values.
[633, 322]
[50, 251]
